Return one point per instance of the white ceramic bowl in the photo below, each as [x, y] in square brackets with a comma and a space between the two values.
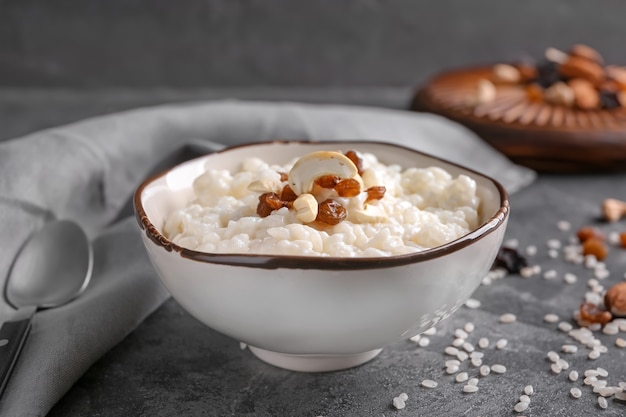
[318, 313]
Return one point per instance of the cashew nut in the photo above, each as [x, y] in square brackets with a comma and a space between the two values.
[370, 214]
[306, 208]
[485, 92]
[316, 164]
[264, 185]
[556, 55]
[505, 73]
[613, 209]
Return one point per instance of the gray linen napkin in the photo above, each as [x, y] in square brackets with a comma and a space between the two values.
[88, 171]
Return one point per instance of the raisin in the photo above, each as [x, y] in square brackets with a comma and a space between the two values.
[596, 247]
[358, 162]
[547, 74]
[283, 176]
[375, 193]
[622, 239]
[588, 232]
[511, 260]
[287, 194]
[534, 92]
[593, 313]
[609, 99]
[331, 212]
[327, 181]
[268, 202]
[348, 188]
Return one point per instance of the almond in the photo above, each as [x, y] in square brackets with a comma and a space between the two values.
[586, 97]
[576, 67]
[587, 52]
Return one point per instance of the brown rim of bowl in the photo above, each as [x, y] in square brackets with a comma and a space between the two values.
[321, 262]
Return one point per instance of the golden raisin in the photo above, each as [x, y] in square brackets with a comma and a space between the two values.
[358, 162]
[596, 247]
[375, 193]
[588, 232]
[283, 176]
[348, 188]
[331, 212]
[327, 181]
[593, 313]
[287, 194]
[534, 92]
[268, 202]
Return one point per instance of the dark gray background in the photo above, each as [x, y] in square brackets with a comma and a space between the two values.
[234, 43]
[69, 59]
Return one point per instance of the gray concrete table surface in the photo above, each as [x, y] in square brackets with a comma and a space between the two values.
[174, 365]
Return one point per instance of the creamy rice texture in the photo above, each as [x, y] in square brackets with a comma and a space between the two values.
[422, 208]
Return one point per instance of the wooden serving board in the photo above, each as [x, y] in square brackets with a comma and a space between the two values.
[536, 134]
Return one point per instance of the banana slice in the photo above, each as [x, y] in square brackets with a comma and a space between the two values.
[316, 164]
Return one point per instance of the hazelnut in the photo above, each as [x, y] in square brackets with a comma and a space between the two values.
[589, 232]
[560, 94]
[615, 299]
[596, 247]
[613, 209]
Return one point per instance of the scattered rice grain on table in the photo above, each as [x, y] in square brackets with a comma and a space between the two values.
[498, 369]
[429, 383]
[508, 318]
[521, 406]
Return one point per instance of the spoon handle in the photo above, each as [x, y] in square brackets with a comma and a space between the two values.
[13, 334]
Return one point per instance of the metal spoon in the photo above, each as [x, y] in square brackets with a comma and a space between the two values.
[52, 268]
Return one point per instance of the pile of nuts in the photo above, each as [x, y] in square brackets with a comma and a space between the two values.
[593, 243]
[313, 184]
[577, 78]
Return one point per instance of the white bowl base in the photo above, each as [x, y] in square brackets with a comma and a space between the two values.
[312, 362]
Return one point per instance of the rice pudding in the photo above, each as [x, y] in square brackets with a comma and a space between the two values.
[326, 203]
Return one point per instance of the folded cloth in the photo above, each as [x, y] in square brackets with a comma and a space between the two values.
[87, 172]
